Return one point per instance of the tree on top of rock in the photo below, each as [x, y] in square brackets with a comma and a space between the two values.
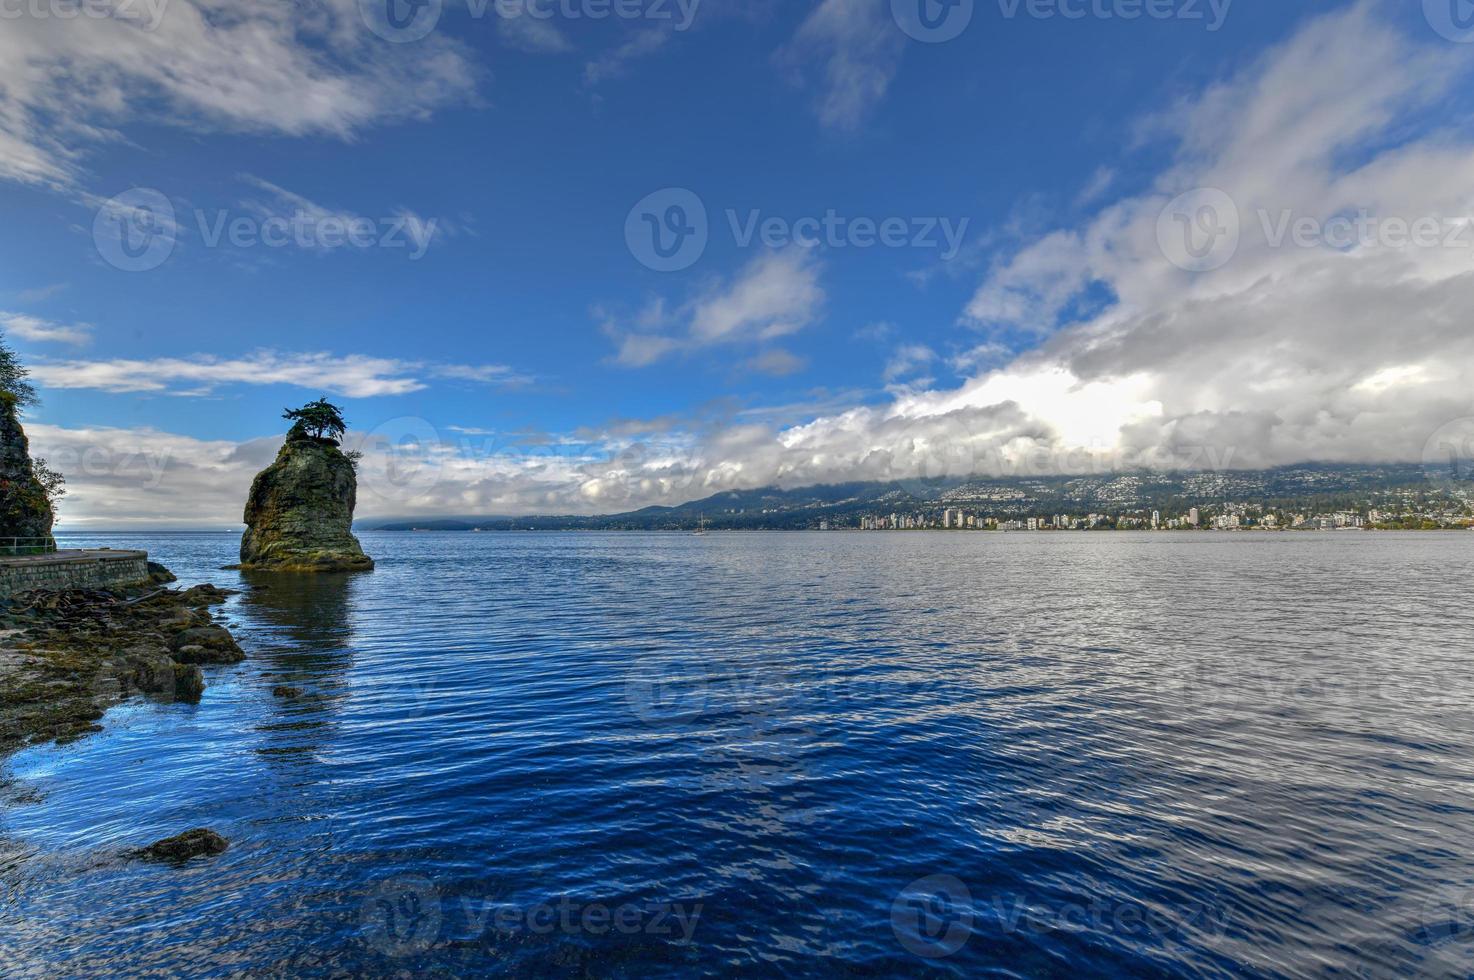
[13, 375]
[321, 421]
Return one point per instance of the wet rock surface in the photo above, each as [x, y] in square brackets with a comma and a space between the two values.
[190, 844]
[66, 657]
[299, 517]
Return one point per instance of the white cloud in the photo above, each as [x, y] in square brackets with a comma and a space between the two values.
[1285, 351]
[857, 49]
[289, 69]
[528, 33]
[353, 375]
[907, 359]
[44, 331]
[774, 295]
[776, 362]
[123, 476]
[614, 63]
[41, 293]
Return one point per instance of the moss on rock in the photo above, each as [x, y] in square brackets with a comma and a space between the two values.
[65, 657]
[299, 517]
[25, 510]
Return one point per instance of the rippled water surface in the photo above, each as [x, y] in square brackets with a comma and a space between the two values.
[803, 754]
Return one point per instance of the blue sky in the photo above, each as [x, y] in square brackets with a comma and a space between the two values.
[554, 371]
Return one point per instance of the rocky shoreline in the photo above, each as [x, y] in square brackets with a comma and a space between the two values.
[66, 657]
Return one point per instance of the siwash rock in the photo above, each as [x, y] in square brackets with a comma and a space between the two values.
[299, 517]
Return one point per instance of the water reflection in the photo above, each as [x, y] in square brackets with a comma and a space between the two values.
[301, 632]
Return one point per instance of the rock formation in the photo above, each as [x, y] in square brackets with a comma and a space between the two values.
[25, 510]
[299, 517]
[66, 657]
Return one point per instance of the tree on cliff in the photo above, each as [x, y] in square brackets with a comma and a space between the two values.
[319, 420]
[13, 375]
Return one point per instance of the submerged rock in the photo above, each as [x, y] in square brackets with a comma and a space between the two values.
[299, 517]
[287, 693]
[25, 509]
[190, 844]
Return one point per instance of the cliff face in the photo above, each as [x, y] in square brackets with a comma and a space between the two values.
[25, 511]
[299, 517]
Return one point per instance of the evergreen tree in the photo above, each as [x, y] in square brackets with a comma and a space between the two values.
[13, 377]
[319, 420]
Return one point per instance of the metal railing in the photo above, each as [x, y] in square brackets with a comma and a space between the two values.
[27, 546]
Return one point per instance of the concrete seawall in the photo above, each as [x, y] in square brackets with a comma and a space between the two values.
[73, 570]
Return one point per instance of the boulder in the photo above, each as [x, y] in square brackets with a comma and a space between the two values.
[25, 510]
[299, 517]
[159, 575]
[206, 645]
[190, 844]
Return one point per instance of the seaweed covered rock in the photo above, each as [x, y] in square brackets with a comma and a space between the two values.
[66, 657]
[299, 517]
[188, 845]
[25, 509]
